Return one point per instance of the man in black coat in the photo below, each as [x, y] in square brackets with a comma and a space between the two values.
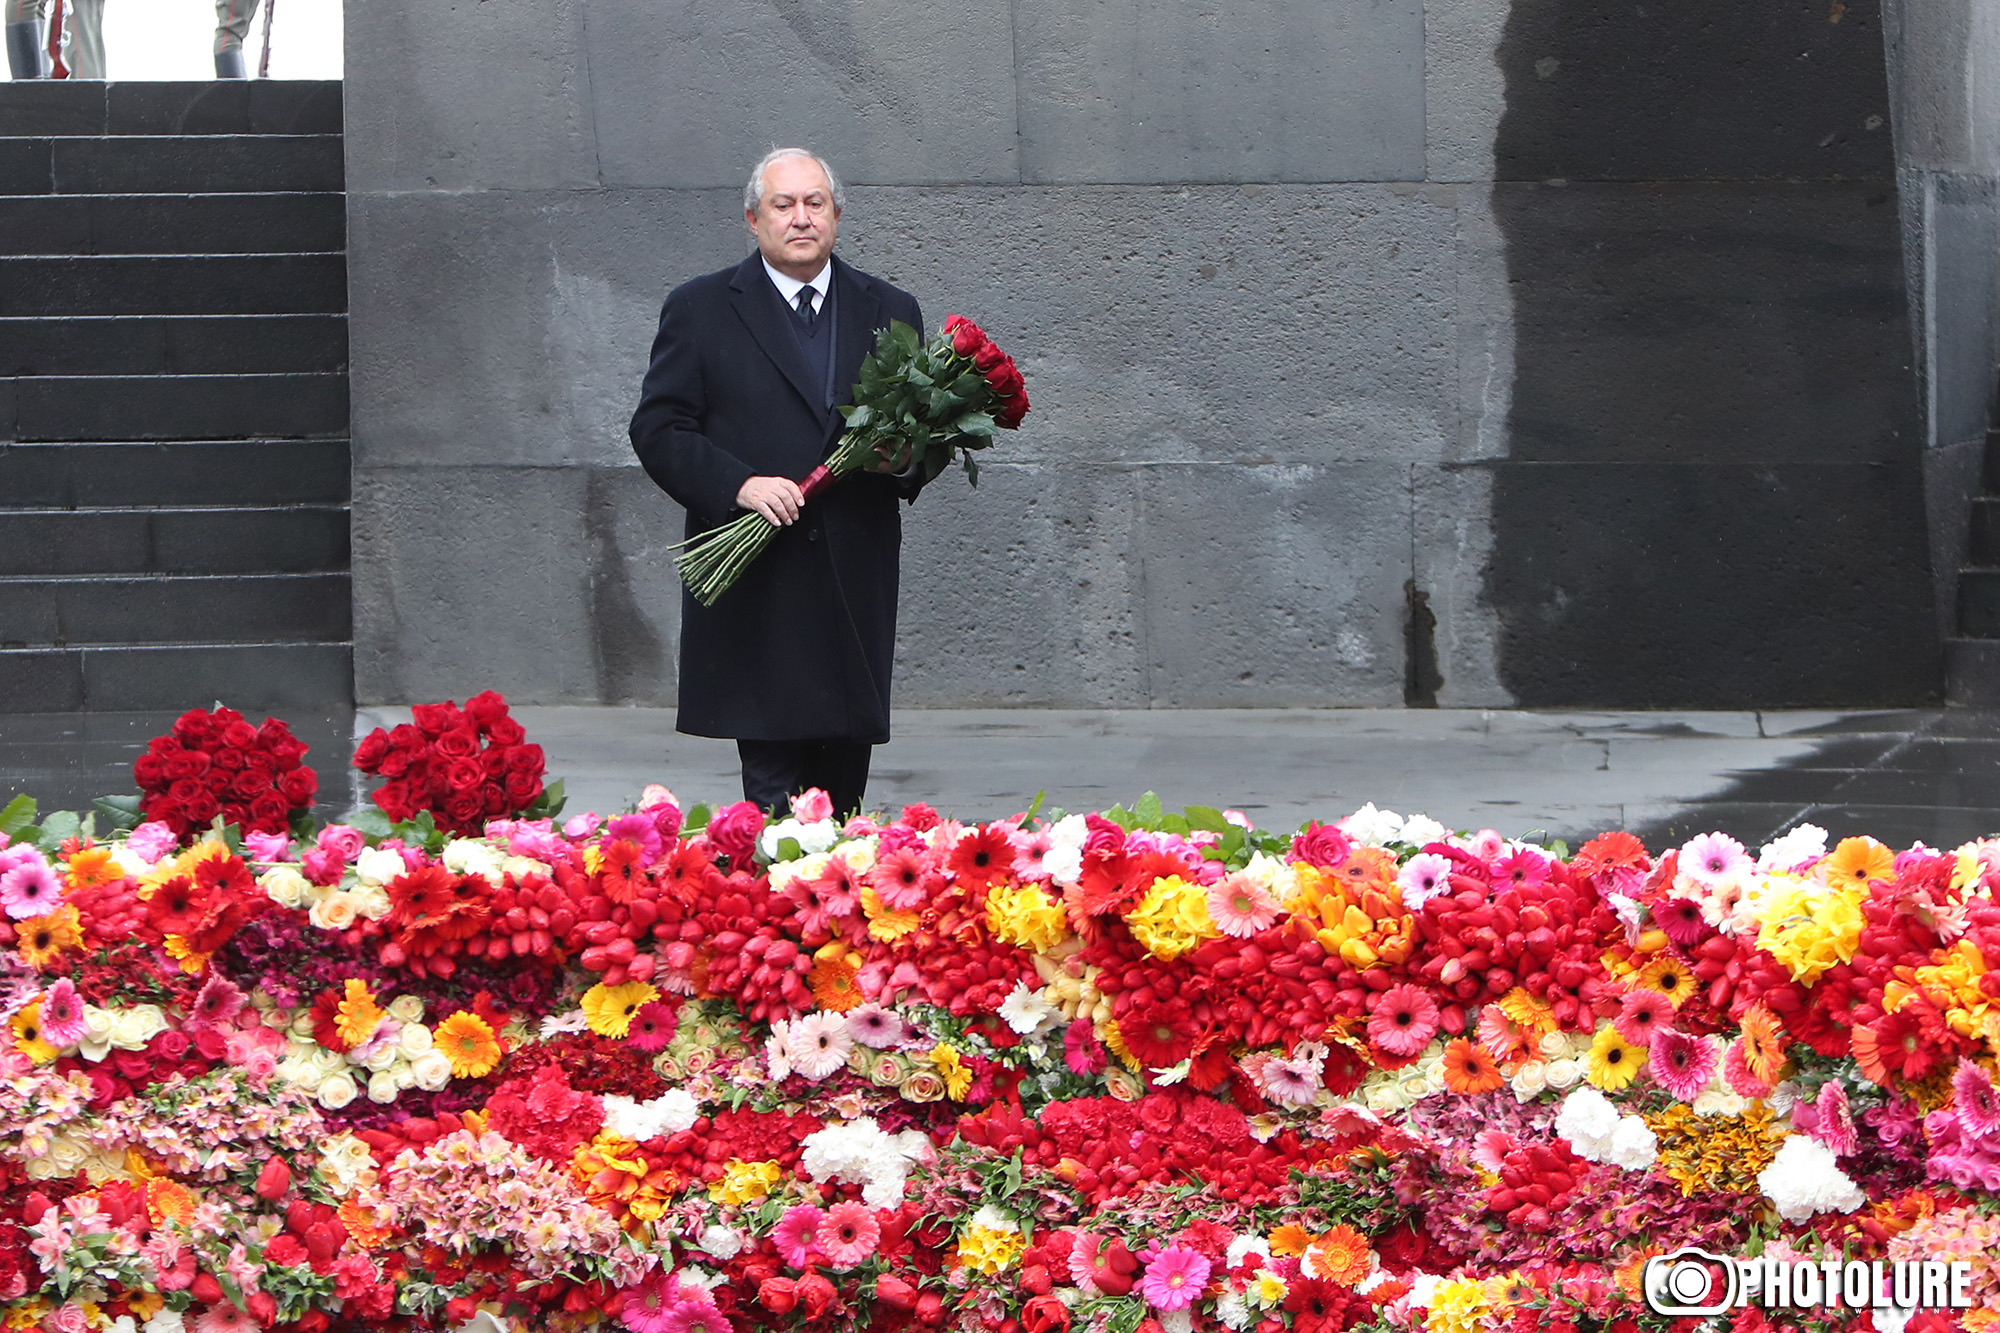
[737, 407]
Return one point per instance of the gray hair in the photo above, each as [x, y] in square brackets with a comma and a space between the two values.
[753, 193]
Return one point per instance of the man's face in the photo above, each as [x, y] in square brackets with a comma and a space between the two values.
[795, 221]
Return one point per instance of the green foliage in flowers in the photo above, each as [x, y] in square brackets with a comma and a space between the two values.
[921, 396]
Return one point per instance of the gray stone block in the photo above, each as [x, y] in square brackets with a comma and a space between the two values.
[468, 579]
[449, 94]
[1451, 511]
[1151, 90]
[690, 93]
[1025, 591]
[1274, 587]
[1465, 93]
[513, 328]
[1963, 263]
[1255, 323]
[635, 594]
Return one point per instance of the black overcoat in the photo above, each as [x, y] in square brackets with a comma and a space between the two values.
[801, 648]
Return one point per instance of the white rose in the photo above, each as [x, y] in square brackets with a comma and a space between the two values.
[285, 886]
[134, 865]
[415, 1038]
[378, 866]
[165, 1321]
[1555, 1045]
[382, 1087]
[405, 1075]
[381, 1057]
[301, 1073]
[278, 1020]
[329, 1062]
[1384, 1098]
[300, 1029]
[337, 1090]
[336, 911]
[407, 1009]
[432, 1070]
[859, 855]
[471, 856]
[520, 867]
[372, 900]
[136, 1026]
[67, 1155]
[1530, 1079]
[1564, 1074]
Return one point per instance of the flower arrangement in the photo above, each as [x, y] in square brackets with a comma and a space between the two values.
[461, 765]
[916, 404]
[215, 765]
[1132, 1071]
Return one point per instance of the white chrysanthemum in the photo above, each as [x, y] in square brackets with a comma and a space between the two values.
[1805, 1178]
[1633, 1145]
[1028, 1011]
[1422, 831]
[1587, 1117]
[992, 1219]
[725, 1243]
[1372, 827]
[812, 838]
[1232, 1310]
[1176, 1321]
[1805, 843]
[1242, 1245]
[857, 1152]
[379, 865]
[666, 1115]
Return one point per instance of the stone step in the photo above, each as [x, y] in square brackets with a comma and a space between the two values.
[202, 472]
[226, 106]
[1982, 538]
[273, 540]
[49, 345]
[153, 164]
[257, 678]
[172, 224]
[1979, 603]
[173, 407]
[54, 612]
[1972, 672]
[1990, 473]
[276, 284]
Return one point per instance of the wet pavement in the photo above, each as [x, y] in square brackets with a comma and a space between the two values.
[1925, 774]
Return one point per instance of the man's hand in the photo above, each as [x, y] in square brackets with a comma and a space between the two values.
[778, 499]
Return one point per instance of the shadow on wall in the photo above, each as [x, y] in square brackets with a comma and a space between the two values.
[1713, 495]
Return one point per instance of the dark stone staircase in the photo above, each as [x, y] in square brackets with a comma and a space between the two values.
[174, 476]
[1972, 660]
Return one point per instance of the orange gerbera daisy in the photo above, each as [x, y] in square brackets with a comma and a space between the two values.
[168, 1200]
[45, 938]
[357, 1015]
[1764, 1041]
[1856, 863]
[92, 868]
[833, 984]
[1470, 1069]
[1290, 1241]
[1366, 866]
[467, 1041]
[1340, 1255]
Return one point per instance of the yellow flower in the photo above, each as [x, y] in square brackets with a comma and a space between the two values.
[1172, 918]
[1809, 926]
[1856, 862]
[1458, 1306]
[885, 923]
[28, 1034]
[1614, 1062]
[609, 1009]
[28, 1315]
[1364, 923]
[990, 1250]
[745, 1182]
[1715, 1154]
[957, 1078]
[1114, 1042]
[1267, 1289]
[357, 1015]
[1026, 916]
[45, 938]
[191, 962]
[467, 1041]
[92, 868]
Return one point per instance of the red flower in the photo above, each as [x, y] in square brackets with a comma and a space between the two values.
[982, 858]
[1159, 1033]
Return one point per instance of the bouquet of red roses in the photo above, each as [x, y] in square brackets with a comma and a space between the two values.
[216, 763]
[465, 765]
[915, 403]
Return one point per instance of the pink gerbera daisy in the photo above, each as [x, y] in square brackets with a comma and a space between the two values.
[1240, 906]
[30, 889]
[224, 1318]
[1681, 918]
[1423, 877]
[62, 1015]
[874, 1026]
[1174, 1277]
[1836, 1121]
[848, 1234]
[796, 1234]
[1082, 1052]
[652, 1027]
[1404, 1021]
[1712, 858]
[1643, 1013]
[1682, 1064]
[899, 879]
[1523, 870]
[644, 1309]
[218, 1003]
[818, 1044]
[1976, 1104]
[695, 1312]
[1029, 851]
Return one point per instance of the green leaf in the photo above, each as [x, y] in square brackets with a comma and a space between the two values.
[697, 819]
[789, 849]
[1034, 808]
[1174, 824]
[1120, 816]
[371, 820]
[19, 815]
[59, 825]
[1010, 1178]
[1149, 810]
[971, 469]
[550, 803]
[121, 813]
[1208, 818]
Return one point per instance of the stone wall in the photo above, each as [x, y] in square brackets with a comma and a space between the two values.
[1381, 350]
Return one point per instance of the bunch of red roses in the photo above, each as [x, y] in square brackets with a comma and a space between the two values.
[995, 367]
[465, 765]
[216, 764]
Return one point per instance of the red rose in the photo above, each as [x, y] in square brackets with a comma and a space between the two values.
[458, 743]
[201, 807]
[169, 1045]
[434, 720]
[299, 786]
[1045, 1314]
[394, 798]
[369, 754]
[988, 357]
[966, 337]
[239, 735]
[779, 1295]
[270, 812]
[485, 708]
[464, 775]
[187, 764]
[192, 726]
[526, 759]
[464, 809]
[1320, 845]
[493, 799]
[149, 771]
[504, 730]
[522, 789]
[249, 784]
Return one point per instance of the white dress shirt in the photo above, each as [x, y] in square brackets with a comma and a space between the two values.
[788, 287]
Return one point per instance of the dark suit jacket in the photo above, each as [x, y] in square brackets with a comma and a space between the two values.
[801, 648]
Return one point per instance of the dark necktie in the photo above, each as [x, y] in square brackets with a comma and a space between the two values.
[806, 305]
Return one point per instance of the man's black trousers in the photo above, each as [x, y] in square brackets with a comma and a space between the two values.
[776, 770]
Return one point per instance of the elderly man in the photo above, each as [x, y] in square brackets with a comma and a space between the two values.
[738, 406]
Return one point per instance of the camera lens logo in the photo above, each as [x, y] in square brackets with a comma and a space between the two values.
[1690, 1282]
